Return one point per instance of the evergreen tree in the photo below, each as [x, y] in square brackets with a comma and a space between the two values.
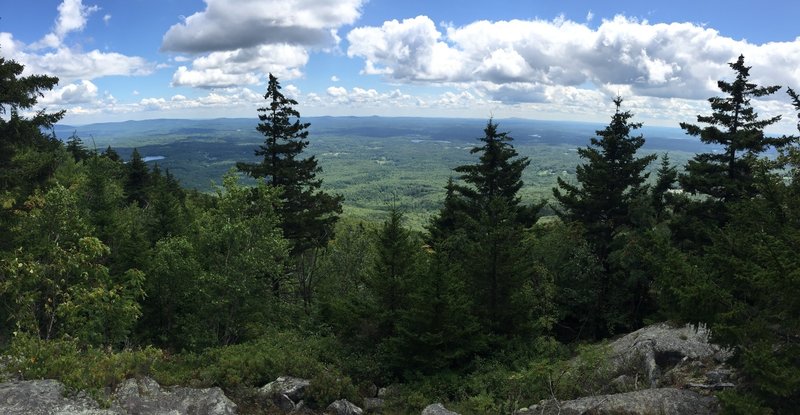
[728, 175]
[667, 176]
[166, 210]
[28, 157]
[436, 331]
[606, 203]
[609, 182]
[745, 286]
[498, 174]
[76, 148]
[101, 195]
[308, 214]
[486, 215]
[18, 133]
[112, 154]
[393, 268]
[450, 217]
[138, 180]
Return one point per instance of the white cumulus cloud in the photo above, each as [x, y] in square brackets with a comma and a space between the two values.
[512, 59]
[234, 24]
[77, 93]
[51, 56]
[242, 66]
[72, 16]
[240, 41]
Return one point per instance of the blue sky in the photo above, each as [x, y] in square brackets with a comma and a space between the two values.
[138, 59]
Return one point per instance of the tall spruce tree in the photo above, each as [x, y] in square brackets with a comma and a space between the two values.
[608, 183]
[733, 124]
[308, 214]
[611, 185]
[498, 174]
[485, 213]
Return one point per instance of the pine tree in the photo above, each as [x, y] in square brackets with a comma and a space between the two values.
[734, 124]
[137, 180]
[609, 182]
[308, 213]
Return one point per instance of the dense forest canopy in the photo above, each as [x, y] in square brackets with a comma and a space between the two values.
[104, 258]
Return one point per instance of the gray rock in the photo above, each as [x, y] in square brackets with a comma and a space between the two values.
[292, 387]
[373, 404]
[437, 409]
[663, 401]
[344, 407]
[45, 397]
[146, 396]
[657, 348]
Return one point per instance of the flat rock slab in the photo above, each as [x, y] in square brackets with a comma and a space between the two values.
[45, 397]
[145, 396]
[663, 401]
[140, 397]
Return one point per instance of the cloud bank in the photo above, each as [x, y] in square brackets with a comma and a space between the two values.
[521, 60]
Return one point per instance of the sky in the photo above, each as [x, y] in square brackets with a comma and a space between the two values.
[557, 60]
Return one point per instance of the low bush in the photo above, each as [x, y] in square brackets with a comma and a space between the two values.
[95, 370]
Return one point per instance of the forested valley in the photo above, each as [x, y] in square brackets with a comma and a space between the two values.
[110, 269]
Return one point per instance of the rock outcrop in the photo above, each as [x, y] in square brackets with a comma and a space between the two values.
[286, 392]
[662, 401]
[44, 397]
[659, 369]
[144, 396]
[655, 350]
[344, 407]
[437, 409]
